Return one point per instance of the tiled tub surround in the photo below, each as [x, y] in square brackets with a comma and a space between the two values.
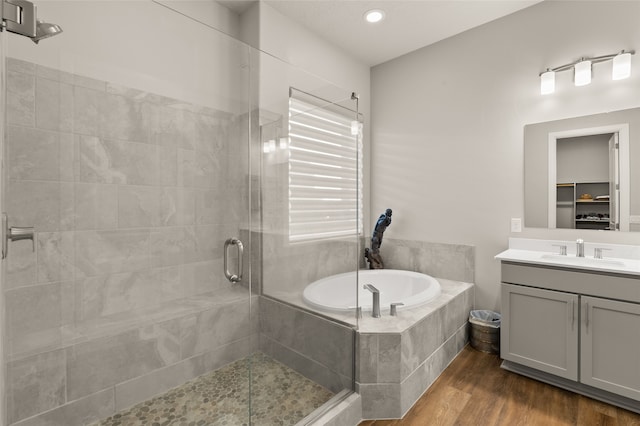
[397, 358]
[131, 198]
[451, 261]
[317, 348]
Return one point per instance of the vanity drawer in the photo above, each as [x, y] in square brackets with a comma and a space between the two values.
[611, 286]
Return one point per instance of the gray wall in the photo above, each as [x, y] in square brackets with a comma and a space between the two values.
[447, 124]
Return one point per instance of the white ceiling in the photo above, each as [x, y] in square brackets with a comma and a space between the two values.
[409, 24]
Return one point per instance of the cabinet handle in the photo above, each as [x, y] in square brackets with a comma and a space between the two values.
[573, 314]
[586, 315]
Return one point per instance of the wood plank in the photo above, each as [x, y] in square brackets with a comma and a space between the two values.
[474, 390]
[442, 408]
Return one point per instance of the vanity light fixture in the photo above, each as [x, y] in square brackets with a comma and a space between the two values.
[582, 70]
[374, 15]
[547, 82]
[621, 66]
[582, 73]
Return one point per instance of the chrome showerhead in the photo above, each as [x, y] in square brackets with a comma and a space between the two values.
[45, 30]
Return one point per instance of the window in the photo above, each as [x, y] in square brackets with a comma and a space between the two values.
[325, 169]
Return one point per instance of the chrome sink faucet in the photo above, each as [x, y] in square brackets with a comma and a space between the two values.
[579, 247]
[376, 300]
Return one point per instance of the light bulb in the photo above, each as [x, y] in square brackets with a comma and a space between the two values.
[547, 82]
[374, 16]
[582, 73]
[621, 66]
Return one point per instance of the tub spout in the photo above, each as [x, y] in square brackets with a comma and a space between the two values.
[375, 312]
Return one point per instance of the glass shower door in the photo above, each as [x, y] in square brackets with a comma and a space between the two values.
[310, 227]
[126, 148]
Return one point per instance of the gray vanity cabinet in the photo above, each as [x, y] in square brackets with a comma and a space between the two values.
[572, 329]
[540, 329]
[609, 346]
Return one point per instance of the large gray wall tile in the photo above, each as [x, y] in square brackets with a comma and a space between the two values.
[54, 105]
[226, 354]
[450, 261]
[306, 366]
[389, 357]
[21, 264]
[21, 99]
[101, 363]
[107, 295]
[122, 119]
[56, 256]
[380, 401]
[47, 206]
[421, 340]
[35, 384]
[108, 252]
[149, 385]
[111, 161]
[35, 315]
[138, 206]
[96, 206]
[87, 112]
[215, 327]
[33, 154]
[424, 376]
[312, 342]
[367, 360]
[81, 412]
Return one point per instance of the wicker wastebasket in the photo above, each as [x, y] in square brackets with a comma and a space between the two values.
[485, 331]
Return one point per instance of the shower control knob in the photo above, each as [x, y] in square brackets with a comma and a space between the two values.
[15, 233]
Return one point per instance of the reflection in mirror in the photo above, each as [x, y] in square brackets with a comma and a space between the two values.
[579, 172]
[586, 182]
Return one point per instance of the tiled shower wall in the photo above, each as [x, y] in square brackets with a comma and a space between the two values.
[132, 197]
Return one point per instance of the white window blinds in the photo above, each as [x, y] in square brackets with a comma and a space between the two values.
[325, 170]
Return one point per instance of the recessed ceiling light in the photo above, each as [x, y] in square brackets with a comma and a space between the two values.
[374, 15]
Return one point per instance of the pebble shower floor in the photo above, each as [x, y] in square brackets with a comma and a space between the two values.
[280, 396]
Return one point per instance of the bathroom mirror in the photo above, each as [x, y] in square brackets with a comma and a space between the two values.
[574, 177]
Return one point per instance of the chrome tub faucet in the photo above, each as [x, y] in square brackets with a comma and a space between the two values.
[376, 300]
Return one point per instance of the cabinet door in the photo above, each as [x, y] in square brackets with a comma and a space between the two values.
[610, 346]
[540, 329]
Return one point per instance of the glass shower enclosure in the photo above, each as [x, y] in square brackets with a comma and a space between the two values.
[148, 287]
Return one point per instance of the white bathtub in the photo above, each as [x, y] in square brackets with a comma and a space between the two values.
[337, 293]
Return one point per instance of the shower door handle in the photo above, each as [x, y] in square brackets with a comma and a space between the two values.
[234, 278]
[15, 234]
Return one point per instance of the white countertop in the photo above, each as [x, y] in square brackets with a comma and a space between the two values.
[617, 258]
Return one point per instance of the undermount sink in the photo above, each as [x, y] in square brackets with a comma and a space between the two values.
[587, 261]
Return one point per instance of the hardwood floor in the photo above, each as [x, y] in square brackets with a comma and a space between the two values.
[474, 390]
